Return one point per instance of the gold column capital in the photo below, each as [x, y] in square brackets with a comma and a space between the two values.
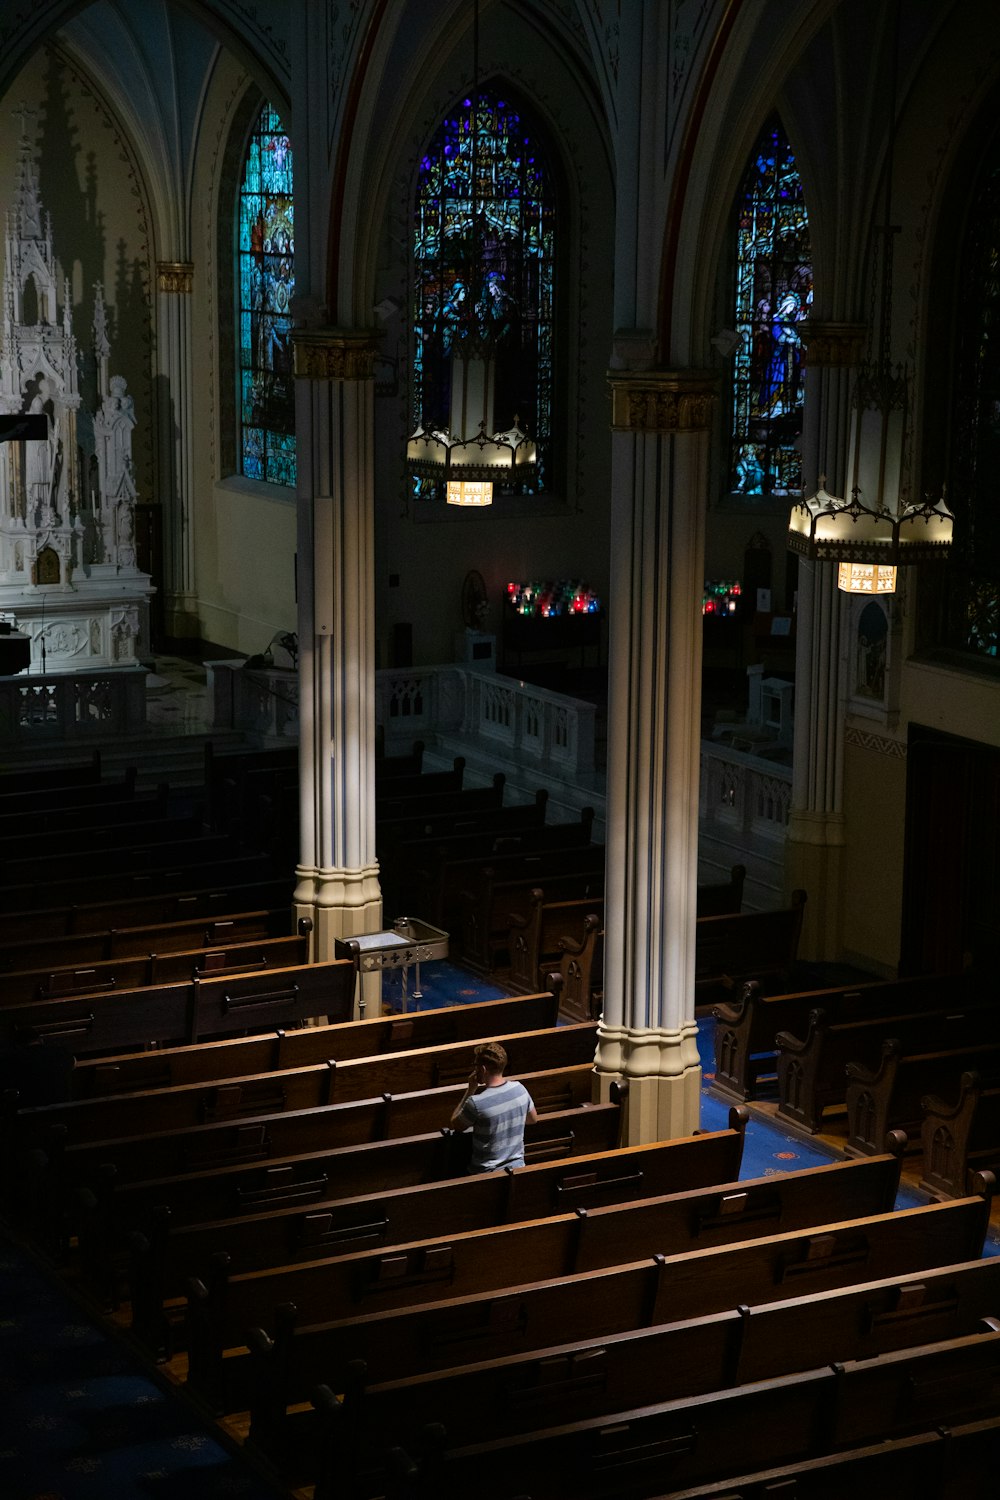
[662, 400]
[335, 353]
[174, 275]
[838, 346]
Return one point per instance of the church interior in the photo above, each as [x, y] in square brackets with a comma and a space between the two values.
[539, 452]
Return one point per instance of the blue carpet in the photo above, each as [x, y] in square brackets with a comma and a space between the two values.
[83, 1420]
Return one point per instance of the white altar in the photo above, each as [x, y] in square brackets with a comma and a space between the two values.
[68, 571]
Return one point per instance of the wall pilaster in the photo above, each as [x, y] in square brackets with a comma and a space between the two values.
[175, 408]
[648, 1034]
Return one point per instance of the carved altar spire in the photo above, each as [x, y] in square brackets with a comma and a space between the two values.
[102, 348]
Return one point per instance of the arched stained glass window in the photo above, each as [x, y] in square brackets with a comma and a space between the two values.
[773, 295]
[484, 256]
[266, 284]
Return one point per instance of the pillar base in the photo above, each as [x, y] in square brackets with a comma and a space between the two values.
[663, 1071]
[180, 617]
[813, 852]
[342, 903]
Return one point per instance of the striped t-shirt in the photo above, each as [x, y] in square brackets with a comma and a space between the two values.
[497, 1117]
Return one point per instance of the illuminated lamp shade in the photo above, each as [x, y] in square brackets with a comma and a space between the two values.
[470, 466]
[469, 492]
[866, 578]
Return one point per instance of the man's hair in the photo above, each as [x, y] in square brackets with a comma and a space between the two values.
[492, 1056]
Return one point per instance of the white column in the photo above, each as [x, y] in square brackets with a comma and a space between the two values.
[816, 826]
[337, 875]
[648, 1033]
[175, 478]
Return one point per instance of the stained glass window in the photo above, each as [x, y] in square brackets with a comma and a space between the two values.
[483, 254]
[773, 295]
[266, 285]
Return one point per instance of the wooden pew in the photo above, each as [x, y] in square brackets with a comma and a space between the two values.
[270, 1139]
[50, 778]
[500, 822]
[584, 1236]
[483, 898]
[581, 972]
[212, 1061]
[143, 970]
[155, 937]
[710, 1436]
[535, 936]
[946, 1464]
[207, 902]
[216, 1005]
[125, 807]
[961, 1139]
[433, 873]
[745, 1047]
[746, 945]
[410, 764]
[892, 1093]
[516, 1317]
[427, 783]
[100, 844]
[814, 1070]
[572, 1382]
[397, 819]
[78, 795]
[120, 889]
[172, 1229]
[333, 1081]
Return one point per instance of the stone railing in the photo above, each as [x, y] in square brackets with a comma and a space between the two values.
[261, 701]
[528, 724]
[743, 796]
[37, 709]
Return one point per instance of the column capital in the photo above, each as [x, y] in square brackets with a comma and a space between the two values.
[335, 353]
[662, 400]
[174, 276]
[836, 345]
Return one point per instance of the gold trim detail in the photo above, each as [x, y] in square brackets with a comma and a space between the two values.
[335, 353]
[662, 401]
[837, 346]
[174, 276]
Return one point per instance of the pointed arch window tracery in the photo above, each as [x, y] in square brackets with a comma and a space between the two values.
[483, 265]
[265, 286]
[773, 293]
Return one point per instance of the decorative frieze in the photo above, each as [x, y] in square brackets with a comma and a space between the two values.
[838, 346]
[662, 401]
[335, 353]
[881, 744]
[175, 276]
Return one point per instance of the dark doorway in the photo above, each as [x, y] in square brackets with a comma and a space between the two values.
[951, 872]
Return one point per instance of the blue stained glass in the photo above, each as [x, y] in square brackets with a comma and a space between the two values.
[266, 287]
[483, 266]
[774, 288]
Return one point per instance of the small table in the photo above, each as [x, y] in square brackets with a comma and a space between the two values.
[409, 941]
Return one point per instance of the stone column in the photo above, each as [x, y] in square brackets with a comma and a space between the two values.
[648, 1033]
[337, 875]
[175, 476]
[816, 826]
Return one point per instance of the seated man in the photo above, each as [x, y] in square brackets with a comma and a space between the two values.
[497, 1109]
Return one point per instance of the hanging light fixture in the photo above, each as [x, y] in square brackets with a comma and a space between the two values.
[470, 456]
[877, 530]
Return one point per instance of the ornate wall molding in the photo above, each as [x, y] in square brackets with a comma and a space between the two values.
[662, 401]
[838, 346]
[879, 744]
[335, 353]
[175, 276]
